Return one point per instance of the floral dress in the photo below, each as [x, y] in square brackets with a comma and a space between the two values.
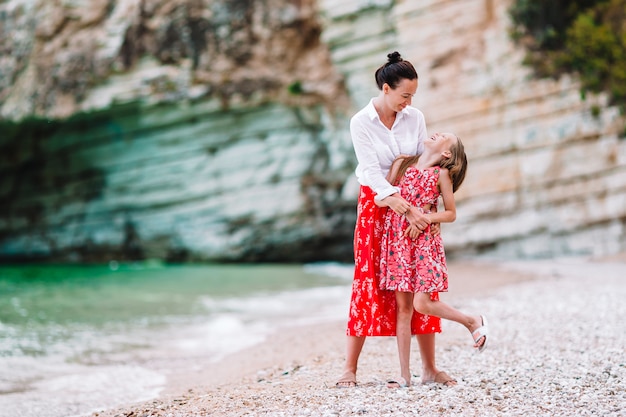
[372, 311]
[413, 265]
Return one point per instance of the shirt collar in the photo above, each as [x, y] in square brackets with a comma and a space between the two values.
[373, 114]
[371, 110]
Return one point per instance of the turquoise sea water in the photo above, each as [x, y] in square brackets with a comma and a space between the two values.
[78, 338]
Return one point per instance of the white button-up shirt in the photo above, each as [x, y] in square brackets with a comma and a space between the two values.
[376, 146]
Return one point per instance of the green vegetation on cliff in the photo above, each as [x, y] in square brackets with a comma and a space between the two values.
[585, 37]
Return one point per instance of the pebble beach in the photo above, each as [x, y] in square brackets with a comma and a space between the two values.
[557, 347]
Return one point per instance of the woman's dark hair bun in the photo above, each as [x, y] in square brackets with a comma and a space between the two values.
[394, 70]
[394, 57]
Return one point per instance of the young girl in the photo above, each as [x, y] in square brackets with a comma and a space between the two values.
[413, 262]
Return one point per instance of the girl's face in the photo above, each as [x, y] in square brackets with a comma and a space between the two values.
[402, 96]
[441, 143]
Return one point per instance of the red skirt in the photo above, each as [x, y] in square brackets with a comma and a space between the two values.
[372, 310]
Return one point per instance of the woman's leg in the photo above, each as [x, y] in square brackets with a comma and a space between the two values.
[425, 305]
[354, 346]
[404, 312]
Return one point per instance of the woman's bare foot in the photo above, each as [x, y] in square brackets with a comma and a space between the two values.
[347, 380]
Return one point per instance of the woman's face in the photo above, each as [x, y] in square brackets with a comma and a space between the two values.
[402, 96]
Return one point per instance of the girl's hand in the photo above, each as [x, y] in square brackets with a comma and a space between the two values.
[412, 231]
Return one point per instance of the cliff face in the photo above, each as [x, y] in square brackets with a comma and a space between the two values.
[170, 129]
[547, 172]
[62, 57]
[547, 176]
[218, 130]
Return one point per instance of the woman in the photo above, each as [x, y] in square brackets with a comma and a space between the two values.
[383, 130]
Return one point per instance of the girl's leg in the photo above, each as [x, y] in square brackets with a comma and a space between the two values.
[426, 344]
[430, 372]
[423, 303]
[404, 311]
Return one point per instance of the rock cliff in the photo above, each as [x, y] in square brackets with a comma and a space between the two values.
[198, 130]
[179, 129]
[547, 173]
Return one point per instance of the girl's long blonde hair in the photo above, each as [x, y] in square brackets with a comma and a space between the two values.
[456, 164]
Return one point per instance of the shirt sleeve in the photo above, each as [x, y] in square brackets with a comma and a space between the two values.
[368, 160]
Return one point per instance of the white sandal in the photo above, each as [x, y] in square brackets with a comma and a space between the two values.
[482, 331]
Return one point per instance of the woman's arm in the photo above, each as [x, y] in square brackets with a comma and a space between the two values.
[394, 201]
[368, 159]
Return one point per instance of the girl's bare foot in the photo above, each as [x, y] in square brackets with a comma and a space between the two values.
[439, 377]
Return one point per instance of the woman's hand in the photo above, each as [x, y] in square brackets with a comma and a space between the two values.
[397, 204]
[417, 218]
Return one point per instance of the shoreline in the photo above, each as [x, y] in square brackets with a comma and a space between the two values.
[293, 372]
[265, 355]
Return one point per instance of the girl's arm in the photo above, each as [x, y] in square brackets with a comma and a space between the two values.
[415, 217]
[395, 167]
[417, 220]
[394, 201]
[448, 215]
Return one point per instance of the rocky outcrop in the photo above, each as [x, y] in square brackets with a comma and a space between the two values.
[547, 174]
[171, 129]
[197, 129]
[63, 57]
[547, 168]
